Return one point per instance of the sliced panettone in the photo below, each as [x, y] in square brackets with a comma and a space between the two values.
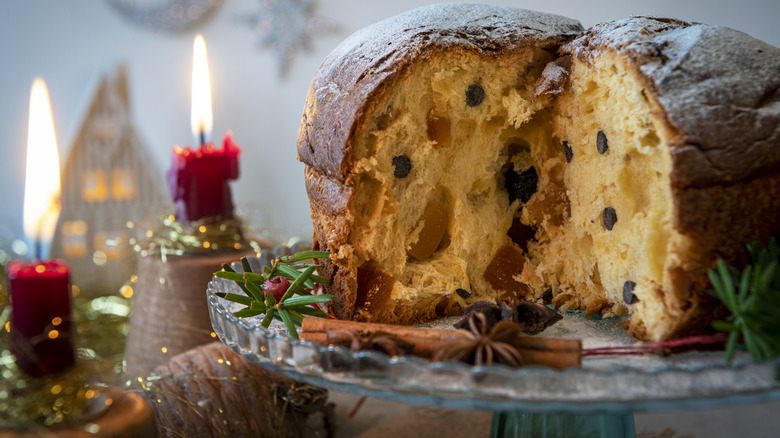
[464, 152]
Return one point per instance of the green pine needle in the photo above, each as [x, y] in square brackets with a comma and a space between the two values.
[304, 255]
[288, 322]
[306, 310]
[296, 300]
[306, 300]
[228, 269]
[753, 299]
[247, 313]
[236, 298]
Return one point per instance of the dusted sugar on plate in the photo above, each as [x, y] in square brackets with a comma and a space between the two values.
[458, 152]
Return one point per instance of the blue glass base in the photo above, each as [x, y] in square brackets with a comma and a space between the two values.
[562, 424]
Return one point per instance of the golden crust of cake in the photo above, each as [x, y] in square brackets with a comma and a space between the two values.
[464, 152]
[370, 60]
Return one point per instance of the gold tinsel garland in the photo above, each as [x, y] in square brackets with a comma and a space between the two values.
[171, 237]
[100, 327]
[100, 324]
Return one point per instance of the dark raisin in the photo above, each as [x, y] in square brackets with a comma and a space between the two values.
[568, 151]
[521, 234]
[610, 217]
[402, 166]
[521, 185]
[601, 142]
[463, 293]
[628, 292]
[474, 95]
[547, 296]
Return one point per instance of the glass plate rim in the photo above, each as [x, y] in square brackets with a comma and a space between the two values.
[375, 384]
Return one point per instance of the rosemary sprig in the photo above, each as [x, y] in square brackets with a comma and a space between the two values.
[293, 304]
[753, 298]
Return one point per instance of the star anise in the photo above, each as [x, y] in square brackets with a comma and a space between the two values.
[481, 345]
[358, 340]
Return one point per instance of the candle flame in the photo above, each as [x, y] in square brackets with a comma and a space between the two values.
[201, 117]
[42, 179]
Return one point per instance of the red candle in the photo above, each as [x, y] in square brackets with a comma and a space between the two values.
[198, 179]
[41, 336]
[41, 332]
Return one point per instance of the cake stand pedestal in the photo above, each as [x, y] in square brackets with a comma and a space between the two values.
[562, 424]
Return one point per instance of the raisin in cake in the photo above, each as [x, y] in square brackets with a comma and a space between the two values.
[457, 152]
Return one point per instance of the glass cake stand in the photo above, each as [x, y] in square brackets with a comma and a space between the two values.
[595, 400]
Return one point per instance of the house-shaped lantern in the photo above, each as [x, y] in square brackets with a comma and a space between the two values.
[109, 185]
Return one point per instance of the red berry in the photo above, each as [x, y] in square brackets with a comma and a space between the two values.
[277, 286]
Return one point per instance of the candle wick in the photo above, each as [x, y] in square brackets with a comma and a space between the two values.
[38, 249]
[38, 241]
[202, 137]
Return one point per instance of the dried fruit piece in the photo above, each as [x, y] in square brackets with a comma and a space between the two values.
[435, 224]
[384, 120]
[547, 296]
[610, 217]
[521, 185]
[474, 95]
[463, 293]
[521, 234]
[552, 81]
[440, 131]
[552, 203]
[628, 292]
[374, 288]
[507, 264]
[601, 142]
[567, 151]
[401, 166]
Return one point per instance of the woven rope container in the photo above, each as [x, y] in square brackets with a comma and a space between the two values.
[170, 311]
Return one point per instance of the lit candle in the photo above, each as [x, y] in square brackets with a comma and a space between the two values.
[40, 299]
[198, 178]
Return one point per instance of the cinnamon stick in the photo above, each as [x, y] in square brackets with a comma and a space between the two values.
[322, 325]
[551, 352]
[559, 360]
[548, 344]
[423, 347]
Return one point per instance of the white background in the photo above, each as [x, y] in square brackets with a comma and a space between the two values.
[69, 43]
